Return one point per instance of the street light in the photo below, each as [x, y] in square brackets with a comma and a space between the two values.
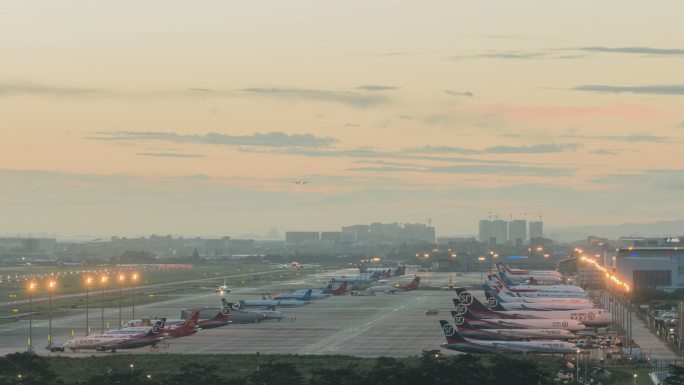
[88, 282]
[134, 278]
[635, 377]
[52, 285]
[122, 278]
[577, 366]
[31, 287]
[103, 282]
[481, 259]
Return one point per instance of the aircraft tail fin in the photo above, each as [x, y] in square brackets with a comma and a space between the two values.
[340, 289]
[191, 321]
[158, 328]
[452, 335]
[327, 289]
[307, 295]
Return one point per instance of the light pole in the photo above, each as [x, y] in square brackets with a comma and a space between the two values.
[52, 285]
[134, 278]
[577, 367]
[88, 282]
[635, 377]
[103, 282]
[121, 281]
[31, 287]
[481, 259]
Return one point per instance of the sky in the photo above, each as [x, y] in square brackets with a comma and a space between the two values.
[175, 117]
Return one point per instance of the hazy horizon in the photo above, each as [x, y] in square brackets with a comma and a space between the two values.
[179, 118]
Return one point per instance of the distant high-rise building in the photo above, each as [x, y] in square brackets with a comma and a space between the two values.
[536, 229]
[485, 230]
[517, 231]
[302, 236]
[500, 231]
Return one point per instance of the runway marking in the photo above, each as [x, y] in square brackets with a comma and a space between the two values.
[343, 335]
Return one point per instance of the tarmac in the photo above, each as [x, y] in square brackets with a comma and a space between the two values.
[365, 326]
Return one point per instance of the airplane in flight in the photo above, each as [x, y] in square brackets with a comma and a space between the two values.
[589, 317]
[456, 341]
[222, 289]
[467, 330]
[521, 323]
[130, 339]
[301, 182]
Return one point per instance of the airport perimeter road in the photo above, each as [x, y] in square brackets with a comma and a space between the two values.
[649, 343]
[380, 325]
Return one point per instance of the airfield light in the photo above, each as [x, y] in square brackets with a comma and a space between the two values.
[52, 285]
[103, 281]
[480, 258]
[89, 280]
[31, 287]
[122, 278]
[134, 278]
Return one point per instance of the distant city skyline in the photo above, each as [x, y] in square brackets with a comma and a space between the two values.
[177, 118]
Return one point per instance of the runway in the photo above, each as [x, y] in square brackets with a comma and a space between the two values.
[366, 326]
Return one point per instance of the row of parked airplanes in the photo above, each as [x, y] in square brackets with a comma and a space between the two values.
[150, 331]
[527, 312]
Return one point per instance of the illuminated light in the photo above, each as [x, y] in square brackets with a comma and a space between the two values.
[104, 279]
[32, 286]
[122, 277]
[52, 284]
[480, 258]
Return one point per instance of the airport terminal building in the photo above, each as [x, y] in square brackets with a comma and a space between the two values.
[651, 262]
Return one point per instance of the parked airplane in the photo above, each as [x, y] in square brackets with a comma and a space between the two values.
[519, 288]
[254, 316]
[502, 267]
[222, 289]
[455, 341]
[209, 318]
[467, 330]
[296, 296]
[179, 328]
[272, 303]
[538, 296]
[552, 304]
[413, 285]
[130, 339]
[589, 317]
[521, 323]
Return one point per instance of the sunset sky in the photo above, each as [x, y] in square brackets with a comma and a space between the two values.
[178, 117]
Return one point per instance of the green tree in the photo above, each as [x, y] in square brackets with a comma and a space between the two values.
[26, 369]
[509, 371]
[276, 373]
[196, 373]
[347, 375]
[122, 377]
[386, 371]
[676, 376]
